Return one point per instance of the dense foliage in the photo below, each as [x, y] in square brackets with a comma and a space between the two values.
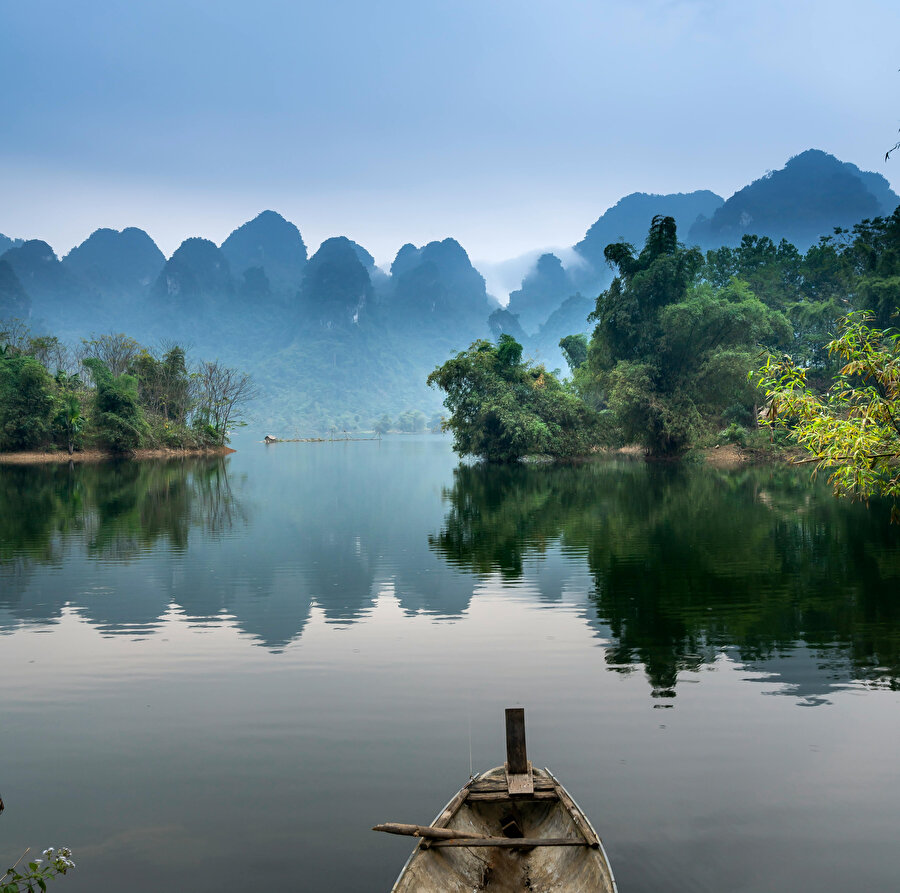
[132, 396]
[26, 401]
[676, 337]
[502, 408]
[670, 353]
[854, 428]
[118, 420]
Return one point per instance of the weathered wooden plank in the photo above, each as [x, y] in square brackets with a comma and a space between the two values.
[425, 831]
[583, 827]
[511, 843]
[519, 782]
[500, 796]
[451, 808]
[499, 784]
[516, 755]
[540, 784]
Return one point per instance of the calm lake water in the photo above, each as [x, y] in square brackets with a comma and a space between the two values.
[218, 675]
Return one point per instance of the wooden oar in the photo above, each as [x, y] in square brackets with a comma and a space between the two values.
[438, 837]
[424, 831]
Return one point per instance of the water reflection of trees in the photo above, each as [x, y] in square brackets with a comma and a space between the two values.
[685, 563]
[688, 562]
[113, 511]
[121, 507]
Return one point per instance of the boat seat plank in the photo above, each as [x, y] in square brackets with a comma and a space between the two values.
[484, 785]
[504, 796]
[509, 842]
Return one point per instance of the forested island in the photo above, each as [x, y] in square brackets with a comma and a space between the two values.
[112, 394]
[675, 357]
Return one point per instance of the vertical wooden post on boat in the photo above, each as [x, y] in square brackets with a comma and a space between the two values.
[519, 779]
[516, 755]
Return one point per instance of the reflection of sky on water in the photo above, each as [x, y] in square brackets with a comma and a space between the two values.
[189, 751]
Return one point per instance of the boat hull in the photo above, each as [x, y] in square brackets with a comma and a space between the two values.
[485, 808]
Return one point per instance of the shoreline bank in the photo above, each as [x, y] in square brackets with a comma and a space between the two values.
[37, 457]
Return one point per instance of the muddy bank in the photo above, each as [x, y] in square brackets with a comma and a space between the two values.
[727, 456]
[41, 458]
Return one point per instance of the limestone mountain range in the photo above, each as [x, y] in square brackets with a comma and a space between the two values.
[336, 341]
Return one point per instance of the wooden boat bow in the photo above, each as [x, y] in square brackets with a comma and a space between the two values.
[510, 829]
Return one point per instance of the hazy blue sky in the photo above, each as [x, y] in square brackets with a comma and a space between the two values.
[506, 123]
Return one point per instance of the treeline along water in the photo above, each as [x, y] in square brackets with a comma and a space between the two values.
[256, 658]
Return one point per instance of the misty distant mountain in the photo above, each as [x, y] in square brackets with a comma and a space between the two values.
[379, 279]
[543, 288]
[334, 341]
[336, 290]
[196, 274]
[548, 284]
[504, 322]
[272, 244]
[116, 263]
[629, 220]
[39, 269]
[808, 198]
[58, 296]
[365, 258]
[570, 318]
[6, 243]
[254, 287]
[14, 300]
[437, 284]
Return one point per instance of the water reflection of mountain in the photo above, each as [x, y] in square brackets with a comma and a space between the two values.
[671, 566]
[58, 522]
[123, 545]
[689, 562]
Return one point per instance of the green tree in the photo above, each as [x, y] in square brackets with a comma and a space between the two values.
[69, 418]
[669, 356]
[773, 272]
[164, 384]
[26, 401]
[575, 350]
[873, 254]
[854, 429]
[502, 408]
[117, 417]
[412, 421]
[50, 352]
